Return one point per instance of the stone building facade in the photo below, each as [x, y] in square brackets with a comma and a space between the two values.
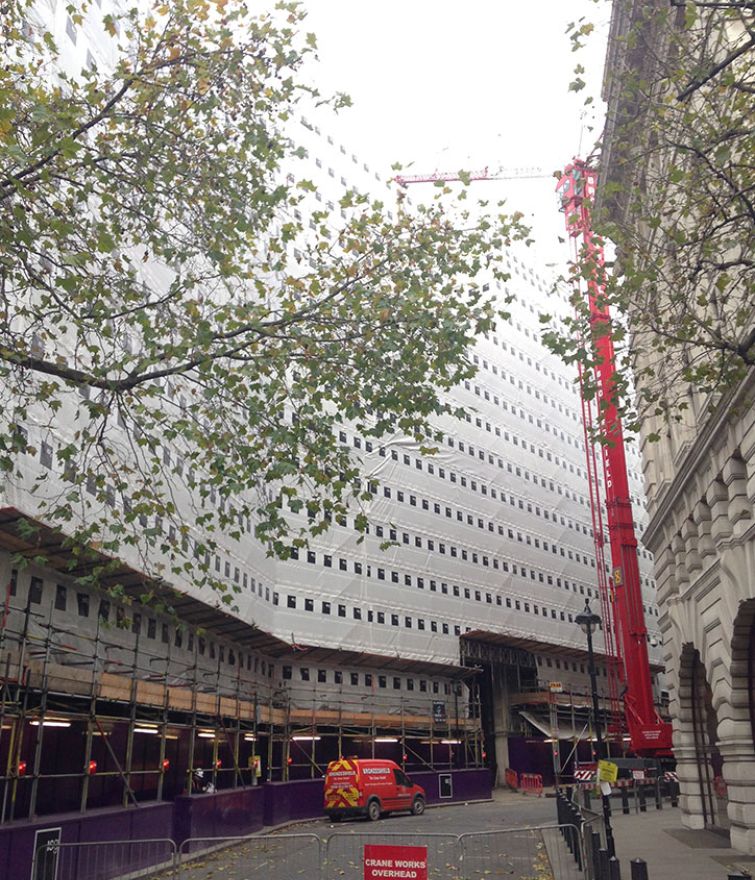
[702, 534]
[700, 484]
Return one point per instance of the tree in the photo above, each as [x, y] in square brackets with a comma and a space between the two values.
[677, 200]
[180, 347]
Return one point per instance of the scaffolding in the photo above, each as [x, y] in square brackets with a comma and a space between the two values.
[106, 717]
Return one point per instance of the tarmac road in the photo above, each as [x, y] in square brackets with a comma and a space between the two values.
[505, 811]
[672, 853]
[295, 851]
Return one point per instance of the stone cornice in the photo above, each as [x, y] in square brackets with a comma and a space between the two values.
[693, 462]
[639, 46]
[622, 112]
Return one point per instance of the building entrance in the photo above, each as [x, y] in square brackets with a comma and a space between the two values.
[503, 673]
[707, 755]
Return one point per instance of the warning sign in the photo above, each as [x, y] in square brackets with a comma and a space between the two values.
[608, 771]
[395, 862]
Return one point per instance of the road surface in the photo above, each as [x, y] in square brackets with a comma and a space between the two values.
[501, 851]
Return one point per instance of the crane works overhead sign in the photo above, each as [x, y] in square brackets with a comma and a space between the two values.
[395, 862]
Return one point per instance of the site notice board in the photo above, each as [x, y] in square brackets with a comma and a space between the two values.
[607, 771]
[396, 862]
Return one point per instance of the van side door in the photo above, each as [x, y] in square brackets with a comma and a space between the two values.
[403, 790]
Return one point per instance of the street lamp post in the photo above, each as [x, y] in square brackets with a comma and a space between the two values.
[589, 622]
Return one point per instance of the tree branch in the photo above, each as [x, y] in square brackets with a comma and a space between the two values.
[714, 71]
[9, 183]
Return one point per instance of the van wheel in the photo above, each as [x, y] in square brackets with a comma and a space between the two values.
[373, 811]
[418, 807]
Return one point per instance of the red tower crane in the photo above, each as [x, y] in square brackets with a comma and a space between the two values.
[623, 612]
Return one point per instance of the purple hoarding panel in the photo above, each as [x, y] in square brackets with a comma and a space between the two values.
[465, 785]
[288, 801]
[149, 821]
[531, 756]
[230, 813]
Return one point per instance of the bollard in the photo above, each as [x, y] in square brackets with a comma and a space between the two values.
[578, 849]
[624, 801]
[588, 801]
[639, 869]
[578, 837]
[674, 788]
[643, 802]
[604, 859]
[568, 830]
[574, 822]
[564, 819]
[658, 794]
[614, 869]
[595, 849]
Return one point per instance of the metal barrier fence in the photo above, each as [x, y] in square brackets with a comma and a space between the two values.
[635, 795]
[102, 860]
[549, 852]
[531, 782]
[273, 856]
[540, 852]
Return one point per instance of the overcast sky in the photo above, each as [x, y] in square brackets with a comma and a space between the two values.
[463, 83]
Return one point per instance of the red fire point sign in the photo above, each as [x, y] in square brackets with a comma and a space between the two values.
[395, 862]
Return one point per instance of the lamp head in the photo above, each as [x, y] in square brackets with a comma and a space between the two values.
[588, 620]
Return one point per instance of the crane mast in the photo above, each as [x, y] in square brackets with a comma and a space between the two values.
[649, 733]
